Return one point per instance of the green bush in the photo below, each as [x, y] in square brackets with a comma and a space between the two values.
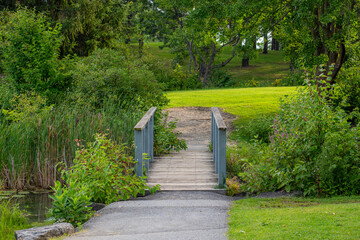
[107, 171]
[313, 148]
[166, 138]
[171, 78]
[347, 91]
[114, 75]
[102, 172]
[237, 157]
[30, 54]
[257, 129]
[220, 78]
[70, 203]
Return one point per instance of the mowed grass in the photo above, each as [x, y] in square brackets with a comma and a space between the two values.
[295, 218]
[245, 103]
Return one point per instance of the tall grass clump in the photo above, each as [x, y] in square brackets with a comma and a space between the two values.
[11, 219]
[32, 146]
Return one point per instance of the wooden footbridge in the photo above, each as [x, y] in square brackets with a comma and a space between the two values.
[193, 169]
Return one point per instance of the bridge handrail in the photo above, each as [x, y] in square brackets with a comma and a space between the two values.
[218, 141]
[144, 141]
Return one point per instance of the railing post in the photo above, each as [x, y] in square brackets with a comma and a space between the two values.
[139, 149]
[151, 153]
[146, 147]
[218, 138]
[144, 141]
[222, 157]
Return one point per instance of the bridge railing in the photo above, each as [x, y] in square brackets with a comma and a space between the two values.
[144, 141]
[218, 140]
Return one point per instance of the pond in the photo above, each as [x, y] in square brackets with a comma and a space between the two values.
[36, 204]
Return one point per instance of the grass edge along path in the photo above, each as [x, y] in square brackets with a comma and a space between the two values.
[245, 103]
[295, 218]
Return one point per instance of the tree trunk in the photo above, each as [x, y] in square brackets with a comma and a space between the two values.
[254, 44]
[274, 45]
[141, 45]
[245, 62]
[265, 50]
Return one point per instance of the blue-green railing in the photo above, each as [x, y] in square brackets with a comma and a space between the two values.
[144, 142]
[218, 140]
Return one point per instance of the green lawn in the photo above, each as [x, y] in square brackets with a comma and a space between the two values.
[295, 218]
[246, 103]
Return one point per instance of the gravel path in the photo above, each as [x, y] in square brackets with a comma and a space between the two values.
[194, 123]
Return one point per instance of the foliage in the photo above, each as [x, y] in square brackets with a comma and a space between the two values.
[316, 32]
[11, 219]
[264, 69]
[220, 78]
[107, 171]
[30, 53]
[257, 129]
[347, 90]
[116, 76]
[165, 136]
[201, 29]
[102, 172]
[232, 186]
[70, 203]
[171, 78]
[237, 157]
[313, 149]
[48, 134]
[294, 218]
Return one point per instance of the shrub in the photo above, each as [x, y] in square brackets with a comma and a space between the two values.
[70, 203]
[107, 171]
[30, 52]
[237, 158]
[116, 76]
[256, 129]
[347, 90]
[165, 136]
[171, 78]
[232, 186]
[220, 78]
[313, 148]
[102, 172]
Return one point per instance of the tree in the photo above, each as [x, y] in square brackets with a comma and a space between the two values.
[274, 44]
[86, 24]
[328, 29]
[30, 53]
[204, 28]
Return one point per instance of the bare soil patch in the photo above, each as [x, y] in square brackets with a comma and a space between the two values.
[194, 123]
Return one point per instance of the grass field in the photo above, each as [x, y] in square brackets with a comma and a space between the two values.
[246, 103]
[295, 218]
[263, 70]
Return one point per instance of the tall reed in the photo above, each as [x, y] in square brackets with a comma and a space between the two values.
[30, 149]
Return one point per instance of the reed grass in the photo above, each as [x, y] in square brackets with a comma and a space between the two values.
[30, 149]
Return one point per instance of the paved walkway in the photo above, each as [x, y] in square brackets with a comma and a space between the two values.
[169, 215]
